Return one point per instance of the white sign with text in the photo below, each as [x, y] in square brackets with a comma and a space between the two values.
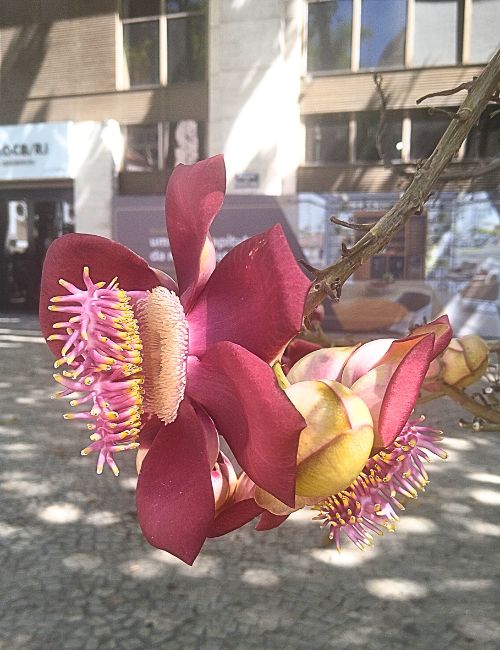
[29, 151]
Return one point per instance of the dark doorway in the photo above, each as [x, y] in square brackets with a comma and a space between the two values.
[29, 222]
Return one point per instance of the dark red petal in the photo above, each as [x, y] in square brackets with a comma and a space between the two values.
[268, 521]
[194, 197]
[254, 298]
[105, 258]
[258, 421]
[175, 501]
[403, 390]
[442, 331]
[234, 516]
[149, 431]
[210, 433]
[297, 349]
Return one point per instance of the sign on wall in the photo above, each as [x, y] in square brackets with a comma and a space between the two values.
[33, 151]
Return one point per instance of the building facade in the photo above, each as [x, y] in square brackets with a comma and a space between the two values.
[99, 100]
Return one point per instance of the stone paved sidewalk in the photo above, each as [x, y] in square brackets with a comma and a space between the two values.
[75, 572]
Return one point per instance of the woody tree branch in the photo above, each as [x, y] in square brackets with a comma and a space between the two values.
[328, 282]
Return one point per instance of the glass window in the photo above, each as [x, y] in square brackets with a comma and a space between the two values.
[327, 139]
[484, 139]
[383, 30]
[485, 35]
[181, 6]
[183, 28]
[329, 35]
[141, 151]
[184, 142]
[436, 30]
[390, 137]
[187, 48]
[142, 42]
[426, 131]
[140, 8]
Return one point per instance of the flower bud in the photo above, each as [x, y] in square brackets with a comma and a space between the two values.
[334, 446]
[464, 361]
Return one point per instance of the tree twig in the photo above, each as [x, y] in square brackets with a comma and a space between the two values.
[330, 280]
[449, 91]
[365, 227]
[481, 410]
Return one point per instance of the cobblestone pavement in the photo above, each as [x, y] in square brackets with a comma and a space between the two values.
[76, 573]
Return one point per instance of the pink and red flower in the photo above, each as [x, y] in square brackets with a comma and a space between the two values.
[174, 366]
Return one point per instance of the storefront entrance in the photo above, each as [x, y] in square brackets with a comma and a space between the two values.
[30, 219]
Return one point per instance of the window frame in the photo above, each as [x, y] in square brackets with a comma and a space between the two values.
[123, 77]
[406, 117]
[163, 144]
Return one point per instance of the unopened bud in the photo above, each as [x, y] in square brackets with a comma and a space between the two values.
[464, 361]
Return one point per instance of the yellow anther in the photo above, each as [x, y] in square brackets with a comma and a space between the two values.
[88, 381]
[112, 415]
[63, 283]
[69, 416]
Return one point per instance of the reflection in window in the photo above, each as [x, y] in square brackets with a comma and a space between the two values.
[396, 266]
[390, 137]
[436, 30]
[484, 139]
[327, 139]
[383, 29]
[141, 151]
[378, 267]
[426, 131]
[329, 33]
[184, 142]
[187, 48]
[142, 42]
[484, 38]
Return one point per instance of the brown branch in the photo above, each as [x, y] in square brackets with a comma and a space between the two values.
[486, 413]
[481, 169]
[365, 227]
[449, 91]
[330, 280]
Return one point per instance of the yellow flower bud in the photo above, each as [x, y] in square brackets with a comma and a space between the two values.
[334, 446]
[464, 361]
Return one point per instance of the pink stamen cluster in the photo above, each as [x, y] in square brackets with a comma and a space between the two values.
[370, 503]
[102, 349]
